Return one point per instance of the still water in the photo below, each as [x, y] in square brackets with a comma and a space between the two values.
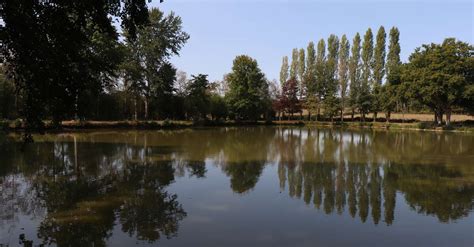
[252, 186]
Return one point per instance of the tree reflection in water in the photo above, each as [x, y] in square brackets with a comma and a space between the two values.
[82, 185]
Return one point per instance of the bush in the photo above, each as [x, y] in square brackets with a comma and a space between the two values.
[425, 125]
[4, 125]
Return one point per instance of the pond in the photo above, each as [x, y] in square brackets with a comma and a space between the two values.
[246, 186]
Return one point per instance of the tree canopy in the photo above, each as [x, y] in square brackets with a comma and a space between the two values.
[248, 95]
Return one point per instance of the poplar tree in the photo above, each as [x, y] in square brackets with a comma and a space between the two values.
[284, 71]
[354, 74]
[320, 71]
[331, 83]
[294, 64]
[364, 103]
[378, 67]
[310, 79]
[343, 69]
[390, 95]
[301, 72]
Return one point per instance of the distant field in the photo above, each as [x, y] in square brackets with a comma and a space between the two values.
[423, 117]
[409, 116]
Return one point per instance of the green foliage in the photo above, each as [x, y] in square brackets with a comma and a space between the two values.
[294, 64]
[301, 72]
[378, 68]
[59, 51]
[439, 75]
[248, 96]
[284, 70]
[197, 97]
[148, 73]
[218, 107]
[391, 93]
[310, 73]
[331, 106]
[393, 58]
[7, 96]
[355, 72]
[343, 71]
[365, 100]
[330, 101]
[320, 69]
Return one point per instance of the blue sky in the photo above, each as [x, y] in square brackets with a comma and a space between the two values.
[267, 30]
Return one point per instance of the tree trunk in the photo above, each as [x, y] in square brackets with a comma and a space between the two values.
[352, 115]
[439, 117]
[363, 117]
[448, 116]
[309, 116]
[387, 116]
[146, 107]
[135, 114]
[342, 110]
[375, 116]
[403, 113]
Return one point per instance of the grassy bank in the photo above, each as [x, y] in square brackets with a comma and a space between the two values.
[464, 126]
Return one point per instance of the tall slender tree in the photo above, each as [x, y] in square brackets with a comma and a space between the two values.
[284, 71]
[294, 64]
[378, 67]
[158, 40]
[354, 74]
[320, 73]
[390, 92]
[364, 103]
[310, 79]
[343, 72]
[330, 100]
[301, 73]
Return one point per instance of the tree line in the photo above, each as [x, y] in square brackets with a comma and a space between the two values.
[67, 60]
[335, 77]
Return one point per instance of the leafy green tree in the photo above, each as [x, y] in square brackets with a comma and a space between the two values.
[284, 71]
[133, 75]
[330, 100]
[218, 108]
[161, 91]
[439, 75]
[294, 64]
[49, 46]
[365, 100]
[248, 96]
[343, 72]
[197, 97]
[355, 74]
[7, 96]
[378, 68]
[157, 41]
[301, 72]
[320, 73]
[310, 80]
[390, 90]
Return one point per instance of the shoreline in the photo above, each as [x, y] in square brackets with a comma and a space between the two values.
[67, 126]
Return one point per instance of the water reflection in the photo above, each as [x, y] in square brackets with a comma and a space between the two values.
[82, 186]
